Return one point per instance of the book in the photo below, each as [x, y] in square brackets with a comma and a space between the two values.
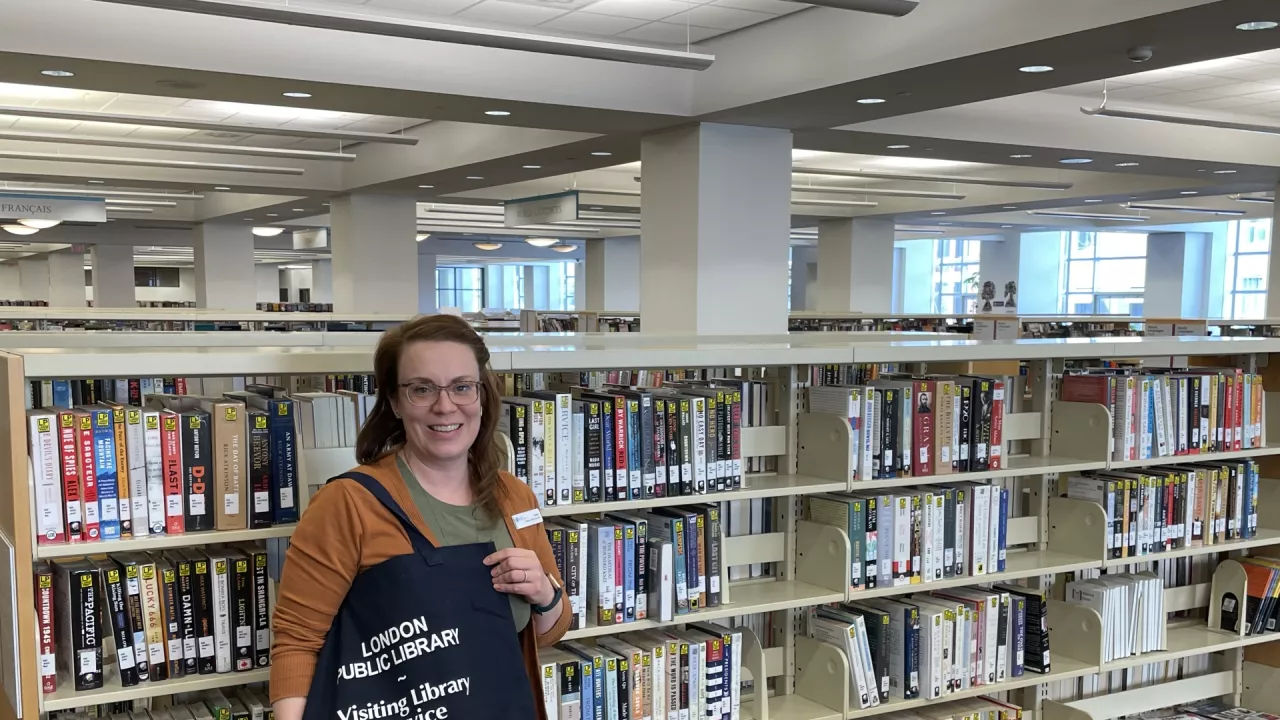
[45, 627]
[80, 633]
[43, 452]
[197, 474]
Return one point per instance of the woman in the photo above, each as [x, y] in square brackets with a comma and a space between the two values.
[429, 441]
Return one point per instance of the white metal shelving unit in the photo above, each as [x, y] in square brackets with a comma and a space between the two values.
[811, 561]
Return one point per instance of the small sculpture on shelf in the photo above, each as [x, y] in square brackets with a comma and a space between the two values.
[988, 294]
[1011, 294]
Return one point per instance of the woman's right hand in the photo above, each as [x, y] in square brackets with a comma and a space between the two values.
[289, 708]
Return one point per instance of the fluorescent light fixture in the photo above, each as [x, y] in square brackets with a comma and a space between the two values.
[1188, 192]
[173, 122]
[1086, 216]
[426, 187]
[1113, 112]
[1224, 172]
[497, 113]
[97, 182]
[1006, 226]
[117, 202]
[148, 162]
[1010, 207]
[221, 187]
[1036, 69]
[113, 208]
[273, 214]
[488, 245]
[298, 209]
[1253, 199]
[126, 142]
[295, 94]
[919, 231]
[1093, 201]
[532, 167]
[421, 236]
[882, 192]
[894, 8]
[94, 192]
[17, 229]
[1020, 156]
[58, 73]
[39, 223]
[957, 179]
[267, 231]
[1258, 25]
[606, 191]
[564, 247]
[1182, 208]
[898, 147]
[1075, 161]
[474, 177]
[353, 21]
[541, 242]
[870, 101]
[835, 203]
[602, 154]
[1127, 164]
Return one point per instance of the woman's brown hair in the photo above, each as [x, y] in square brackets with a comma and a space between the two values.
[383, 432]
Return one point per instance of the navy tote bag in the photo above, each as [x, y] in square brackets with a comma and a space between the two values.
[422, 636]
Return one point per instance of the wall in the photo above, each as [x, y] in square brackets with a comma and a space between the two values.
[268, 282]
[1038, 272]
[914, 272]
[10, 282]
[185, 292]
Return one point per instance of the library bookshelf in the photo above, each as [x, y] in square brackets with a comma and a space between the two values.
[795, 677]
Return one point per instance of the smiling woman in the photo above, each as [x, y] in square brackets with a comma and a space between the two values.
[426, 517]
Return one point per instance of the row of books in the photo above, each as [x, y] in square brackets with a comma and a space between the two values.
[1170, 413]
[242, 703]
[690, 673]
[921, 535]
[583, 445]
[647, 565]
[181, 464]
[148, 617]
[1171, 507]
[1131, 606]
[1259, 610]
[932, 645]
[295, 307]
[907, 426]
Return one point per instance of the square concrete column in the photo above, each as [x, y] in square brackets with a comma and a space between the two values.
[113, 282]
[611, 278]
[322, 281]
[33, 278]
[715, 230]
[66, 279]
[427, 284]
[225, 274]
[375, 255]
[1177, 275]
[855, 265]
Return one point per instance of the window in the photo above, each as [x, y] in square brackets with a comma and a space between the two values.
[1105, 273]
[460, 287]
[955, 276]
[147, 277]
[564, 286]
[1248, 251]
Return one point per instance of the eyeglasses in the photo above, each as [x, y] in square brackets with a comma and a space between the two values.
[425, 393]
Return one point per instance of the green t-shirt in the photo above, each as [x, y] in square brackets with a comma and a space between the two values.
[462, 525]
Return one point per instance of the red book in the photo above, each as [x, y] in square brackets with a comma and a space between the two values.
[1238, 442]
[171, 466]
[70, 475]
[180, 386]
[1229, 415]
[622, 478]
[84, 468]
[926, 400]
[619, 577]
[44, 618]
[996, 452]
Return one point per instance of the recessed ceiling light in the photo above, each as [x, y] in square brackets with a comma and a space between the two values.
[58, 73]
[944, 223]
[497, 113]
[939, 212]
[295, 94]
[899, 147]
[870, 101]
[488, 245]
[1224, 172]
[267, 231]
[17, 229]
[1258, 25]
[1188, 192]
[1075, 161]
[1036, 68]
[273, 215]
[1010, 207]
[474, 177]
[1020, 156]
[298, 210]
[595, 208]
[1127, 164]
[601, 153]
[542, 242]
[96, 182]
[532, 167]
[426, 187]
[1006, 226]
[325, 204]
[248, 219]
[221, 187]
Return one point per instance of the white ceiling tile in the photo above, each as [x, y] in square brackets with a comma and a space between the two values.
[161, 133]
[423, 7]
[120, 107]
[271, 141]
[508, 13]
[1228, 103]
[192, 112]
[103, 129]
[638, 9]
[773, 7]
[316, 144]
[265, 119]
[560, 4]
[1191, 82]
[1268, 96]
[152, 99]
[670, 33]
[1181, 98]
[1251, 72]
[44, 125]
[722, 18]
[84, 102]
[1137, 92]
[1269, 108]
[588, 24]
[1235, 89]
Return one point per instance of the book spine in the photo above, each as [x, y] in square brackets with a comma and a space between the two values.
[688, 480]
[222, 630]
[572, 576]
[648, 470]
[259, 451]
[926, 398]
[172, 609]
[73, 504]
[153, 617]
[735, 440]
[187, 616]
[613, 489]
[965, 427]
[88, 632]
[196, 471]
[261, 610]
[620, 456]
[123, 496]
[153, 464]
[659, 447]
[284, 453]
[997, 425]
[137, 621]
[45, 627]
[47, 478]
[563, 449]
[205, 645]
[230, 464]
[139, 479]
[104, 470]
[241, 611]
[174, 474]
[712, 533]
[642, 566]
[579, 454]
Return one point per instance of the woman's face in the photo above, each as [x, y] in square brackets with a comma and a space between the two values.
[439, 425]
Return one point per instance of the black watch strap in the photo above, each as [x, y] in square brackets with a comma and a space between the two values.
[543, 609]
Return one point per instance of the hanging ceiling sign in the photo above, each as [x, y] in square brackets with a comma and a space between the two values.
[311, 239]
[64, 208]
[541, 210]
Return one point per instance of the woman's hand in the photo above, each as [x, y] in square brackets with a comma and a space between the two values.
[517, 571]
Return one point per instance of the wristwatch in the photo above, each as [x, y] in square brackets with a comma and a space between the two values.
[555, 598]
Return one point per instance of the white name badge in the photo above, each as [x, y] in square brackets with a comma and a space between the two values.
[527, 518]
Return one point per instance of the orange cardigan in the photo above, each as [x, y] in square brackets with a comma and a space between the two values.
[345, 530]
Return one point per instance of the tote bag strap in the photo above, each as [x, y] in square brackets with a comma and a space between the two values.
[375, 488]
